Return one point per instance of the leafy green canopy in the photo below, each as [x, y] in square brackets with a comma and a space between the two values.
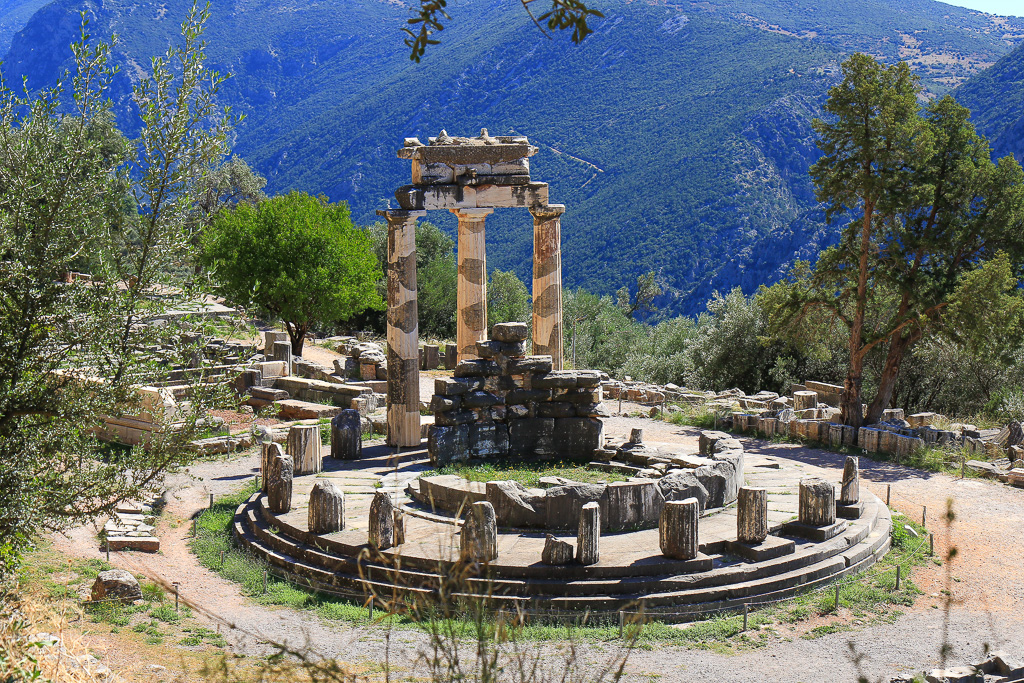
[930, 206]
[74, 194]
[294, 257]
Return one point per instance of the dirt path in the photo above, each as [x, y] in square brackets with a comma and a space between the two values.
[985, 580]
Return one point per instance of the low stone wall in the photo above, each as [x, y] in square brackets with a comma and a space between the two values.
[506, 403]
[713, 477]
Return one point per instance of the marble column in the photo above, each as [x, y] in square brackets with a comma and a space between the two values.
[472, 290]
[403, 329]
[547, 282]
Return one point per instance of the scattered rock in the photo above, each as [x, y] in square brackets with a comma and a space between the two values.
[116, 584]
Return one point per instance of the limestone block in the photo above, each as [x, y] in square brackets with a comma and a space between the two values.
[578, 436]
[556, 409]
[817, 502]
[752, 515]
[730, 465]
[556, 552]
[279, 484]
[431, 357]
[451, 356]
[708, 439]
[677, 529]
[530, 364]
[116, 584]
[326, 508]
[479, 537]
[381, 533]
[588, 534]
[515, 505]
[500, 351]
[892, 414]
[532, 436]
[563, 503]
[270, 337]
[346, 435]
[305, 447]
[850, 489]
[283, 353]
[446, 386]
[477, 368]
[632, 504]
[683, 485]
[869, 438]
[488, 440]
[447, 444]
[835, 435]
[510, 333]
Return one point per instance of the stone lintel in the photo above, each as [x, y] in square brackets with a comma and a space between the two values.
[401, 214]
[467, 154]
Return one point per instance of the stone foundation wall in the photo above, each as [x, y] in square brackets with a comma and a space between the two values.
[507, 403]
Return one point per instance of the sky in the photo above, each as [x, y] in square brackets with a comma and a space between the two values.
[1004, 7]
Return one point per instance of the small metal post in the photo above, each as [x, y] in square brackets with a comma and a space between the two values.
[888, 494]
[256, 480]
[264, 581]
[897, 577]
[371, 609]
[622, 622]
[963, 467]
[931, 544]
[211, 501]
[620, 402]
[106, 542]
[221, 559]
[837, 598]
[175, 584]
[746, 609]
[924, 516]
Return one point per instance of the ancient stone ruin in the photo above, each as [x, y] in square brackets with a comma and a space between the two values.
[471, 177]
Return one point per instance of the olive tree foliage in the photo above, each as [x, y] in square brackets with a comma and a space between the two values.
[930, 205]
[560, 15]
[75, 349]
[294, 257]
[508, 299]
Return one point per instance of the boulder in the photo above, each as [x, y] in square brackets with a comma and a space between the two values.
[515, 505]
[116, 584]
[510, 333]
[683, 485]
[956, 674]
[556, 551]
[563, 503]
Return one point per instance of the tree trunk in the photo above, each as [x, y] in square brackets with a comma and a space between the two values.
[297, 334]
[887, 382]
[851, 405]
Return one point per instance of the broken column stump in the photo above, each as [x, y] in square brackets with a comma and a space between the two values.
[382, 521]
[588, 535]
[283, 352]
[817, 511]
[347, 435]
[805, 400]
[279, 484]
[849, 506]
[677, 529]
[479, 538]
[268, 451]
[326, 508]
[752, 515]
[305, 448]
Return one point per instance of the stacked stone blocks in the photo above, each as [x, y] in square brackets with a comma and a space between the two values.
[507, 403]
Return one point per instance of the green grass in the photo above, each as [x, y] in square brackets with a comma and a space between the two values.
[692, 415]
[528, 473]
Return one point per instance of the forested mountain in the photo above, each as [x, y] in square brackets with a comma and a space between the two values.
[996, 100]
[678, 134]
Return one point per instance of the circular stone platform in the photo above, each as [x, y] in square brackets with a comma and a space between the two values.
[631, 572]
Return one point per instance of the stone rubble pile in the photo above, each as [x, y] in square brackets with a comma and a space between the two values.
[998, 667]
[508, 403]
[130, 528]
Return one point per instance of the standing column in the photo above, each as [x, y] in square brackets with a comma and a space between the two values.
[403, 329]
[472, 298]
[547, 282]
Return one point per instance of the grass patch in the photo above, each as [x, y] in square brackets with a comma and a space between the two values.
[528, 473]
[691, 415]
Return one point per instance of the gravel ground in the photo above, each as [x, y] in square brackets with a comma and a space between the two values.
[985, 580]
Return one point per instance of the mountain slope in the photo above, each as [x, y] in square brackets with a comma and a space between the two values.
[996, 100]
[678, 136]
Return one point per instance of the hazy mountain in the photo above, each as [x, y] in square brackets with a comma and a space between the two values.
[678, 135]
[996, 100]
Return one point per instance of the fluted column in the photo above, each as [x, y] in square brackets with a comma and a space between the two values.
[403, 329]
[472, 297]
[547, 282]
